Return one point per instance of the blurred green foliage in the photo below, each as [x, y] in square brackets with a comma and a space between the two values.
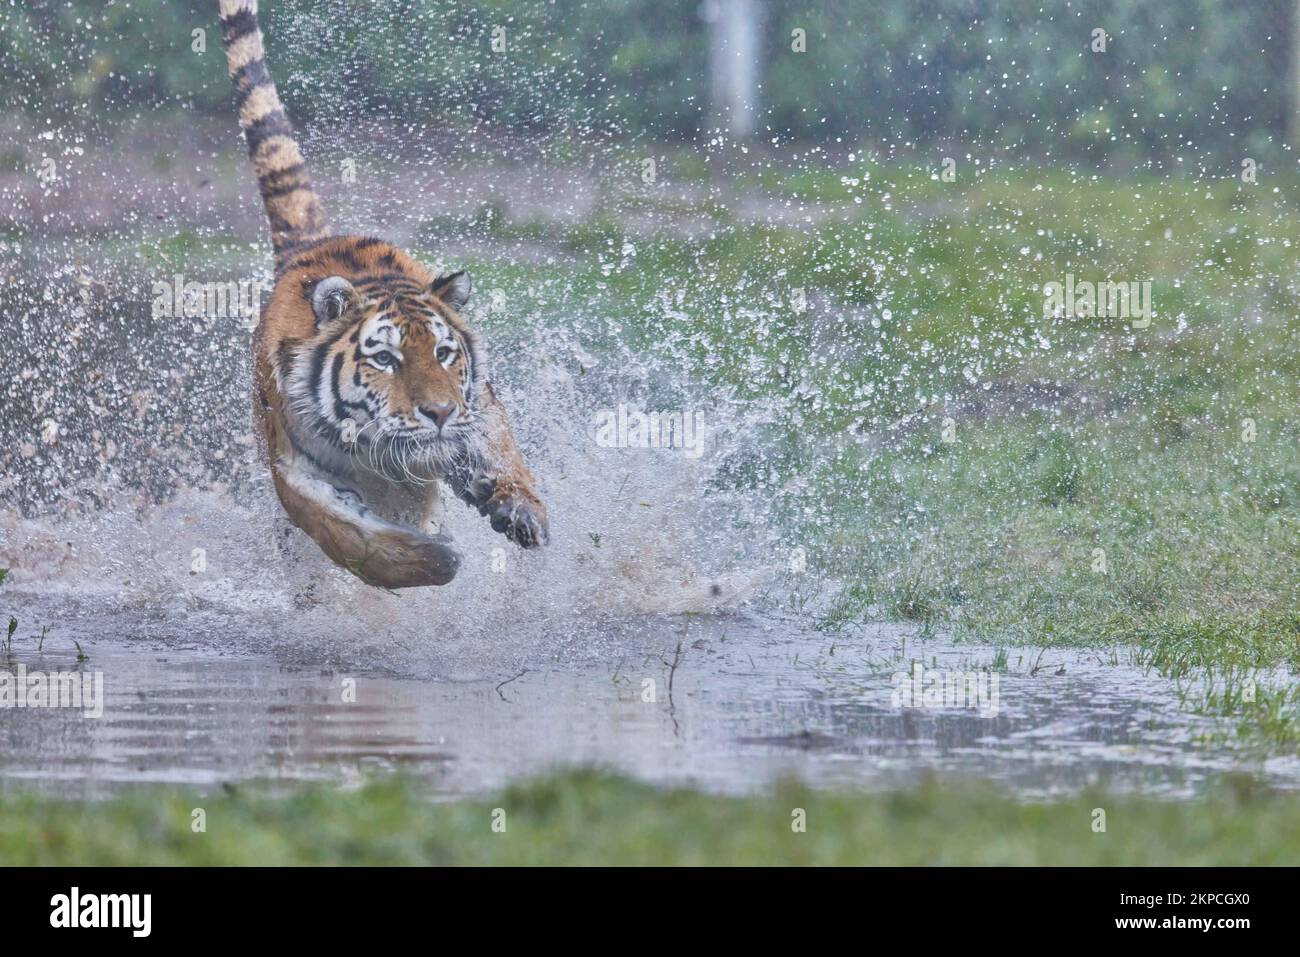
[1177, 78]
[590, 817]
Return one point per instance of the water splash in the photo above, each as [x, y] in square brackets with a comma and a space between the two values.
[153, 517]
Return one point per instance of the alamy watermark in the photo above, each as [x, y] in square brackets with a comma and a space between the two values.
[130, 911]
[178, 299]
[936, 689]
[81, 690]
[1103, 300]
[630, 428]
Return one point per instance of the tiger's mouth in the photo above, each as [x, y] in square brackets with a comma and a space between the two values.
[456, 435]
[379, 433]
[406, 455]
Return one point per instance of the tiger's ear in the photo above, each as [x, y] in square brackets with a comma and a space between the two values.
[330, 299]
[452, 289]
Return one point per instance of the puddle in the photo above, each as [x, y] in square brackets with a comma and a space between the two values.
[749, 700]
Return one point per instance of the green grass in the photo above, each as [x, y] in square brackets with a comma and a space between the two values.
[594, 818]
[1070, 435]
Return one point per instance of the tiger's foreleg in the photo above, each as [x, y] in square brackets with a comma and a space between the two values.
[497, 482]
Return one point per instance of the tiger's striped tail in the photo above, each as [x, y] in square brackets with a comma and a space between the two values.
[292, 206]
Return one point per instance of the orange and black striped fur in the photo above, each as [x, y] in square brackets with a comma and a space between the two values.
[371, 388]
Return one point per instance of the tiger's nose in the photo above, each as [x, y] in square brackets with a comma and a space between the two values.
[439, 413]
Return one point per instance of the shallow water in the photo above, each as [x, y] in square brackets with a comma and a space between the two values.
[728, 702]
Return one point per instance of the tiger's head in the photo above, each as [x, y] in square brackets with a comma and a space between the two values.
[392, 377]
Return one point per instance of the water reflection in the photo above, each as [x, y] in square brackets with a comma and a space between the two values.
[750, 702]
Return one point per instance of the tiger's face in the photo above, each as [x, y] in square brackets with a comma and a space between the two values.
[393, 375]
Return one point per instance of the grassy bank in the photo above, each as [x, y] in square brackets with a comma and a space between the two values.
[590, 818]
[958, 456]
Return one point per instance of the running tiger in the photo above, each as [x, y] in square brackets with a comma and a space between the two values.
[370, 388]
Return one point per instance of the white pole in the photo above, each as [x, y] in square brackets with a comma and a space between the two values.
[735, 48]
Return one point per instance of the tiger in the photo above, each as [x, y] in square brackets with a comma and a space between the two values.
[370, 388]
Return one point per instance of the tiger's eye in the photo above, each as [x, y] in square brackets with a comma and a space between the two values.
[443, 353]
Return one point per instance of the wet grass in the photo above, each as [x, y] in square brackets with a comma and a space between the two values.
[594, 818]
[964, 462]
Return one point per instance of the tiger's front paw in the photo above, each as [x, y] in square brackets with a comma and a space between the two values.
[520, 517]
